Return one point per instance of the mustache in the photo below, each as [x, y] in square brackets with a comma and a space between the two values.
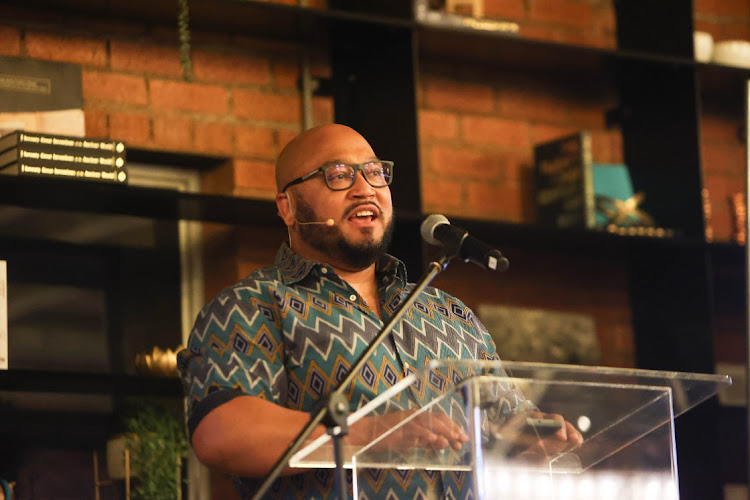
[353, 207]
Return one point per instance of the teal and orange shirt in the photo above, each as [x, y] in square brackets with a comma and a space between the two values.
[290, 333]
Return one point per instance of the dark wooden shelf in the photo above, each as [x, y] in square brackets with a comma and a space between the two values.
[154, 203]
[88, 383]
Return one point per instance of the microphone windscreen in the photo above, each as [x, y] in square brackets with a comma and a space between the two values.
[427, 229]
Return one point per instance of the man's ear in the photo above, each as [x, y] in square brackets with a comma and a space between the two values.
[283, 205]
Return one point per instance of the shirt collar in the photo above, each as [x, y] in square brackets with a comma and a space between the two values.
[294, 268]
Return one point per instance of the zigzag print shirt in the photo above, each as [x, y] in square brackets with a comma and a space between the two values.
[289, 333]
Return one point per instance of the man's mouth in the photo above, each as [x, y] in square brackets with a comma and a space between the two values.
[364, 214]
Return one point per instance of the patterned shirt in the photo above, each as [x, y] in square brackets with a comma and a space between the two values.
[290, 333]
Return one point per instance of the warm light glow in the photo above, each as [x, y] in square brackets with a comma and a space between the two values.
[584, 423]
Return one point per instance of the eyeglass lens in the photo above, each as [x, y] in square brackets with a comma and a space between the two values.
[342, 176]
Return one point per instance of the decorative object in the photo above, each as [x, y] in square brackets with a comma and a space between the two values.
[703, 46]
[624, 212]
[157, 363]
[732, 53]
[739, 218]
[523, 334]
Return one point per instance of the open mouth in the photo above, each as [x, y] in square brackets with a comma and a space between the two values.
[364, 214]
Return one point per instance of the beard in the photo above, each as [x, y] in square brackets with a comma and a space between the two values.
[331, 241]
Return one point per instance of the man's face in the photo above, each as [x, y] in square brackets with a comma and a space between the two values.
[362, 214]
[355, 253]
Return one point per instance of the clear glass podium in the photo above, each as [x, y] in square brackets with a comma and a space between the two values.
[482, 419]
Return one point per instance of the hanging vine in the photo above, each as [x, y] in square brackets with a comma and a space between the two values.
[183, 28]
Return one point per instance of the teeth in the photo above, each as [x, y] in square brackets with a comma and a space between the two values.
[364, 213]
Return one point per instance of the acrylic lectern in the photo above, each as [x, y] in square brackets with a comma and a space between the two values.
[626, 417]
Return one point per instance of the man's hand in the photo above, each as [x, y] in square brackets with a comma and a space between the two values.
[530, 441]
[433, 431]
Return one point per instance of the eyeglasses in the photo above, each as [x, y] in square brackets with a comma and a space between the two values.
[342, 175]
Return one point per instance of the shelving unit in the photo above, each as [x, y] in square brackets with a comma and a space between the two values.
[376, 49]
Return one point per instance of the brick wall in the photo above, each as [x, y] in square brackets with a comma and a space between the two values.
[242, 102]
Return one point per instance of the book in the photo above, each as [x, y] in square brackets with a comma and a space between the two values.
[42, 96]
[3, 315]
[565, 182]
[29, 140]
[69, 171]
[60, 157]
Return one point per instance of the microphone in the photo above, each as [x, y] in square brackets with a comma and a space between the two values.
[329, 222]
[437, 230]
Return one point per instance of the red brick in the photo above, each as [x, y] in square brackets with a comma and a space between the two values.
[586, 115]
[322, 110]
[576, 13]
[145, 58]
[214, 137]
[97, 123]
[255, 141]
[442, 93]
[115, 87]
[605, 21]
[437, 125]
[706, 6]
[543, 133]
[441, 195]
[130, 127]
[173, 132]
[188, 96]
[494, 201]
[504, 9]
[265, 45]
[285, 74]
[111, 26]
[722, 159]
[733, 8]
[252, 174]
[230, 68]
[709, 26]
[10, 41]
[260, 105]
[588, 39]
[506, 133]
[283, 136]
[734, 31]
[719, 129]
[531, 104]
[464, 163]
[606, 146]
[75, 49]
[320, 67]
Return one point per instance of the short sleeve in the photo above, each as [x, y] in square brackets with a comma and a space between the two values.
[235, 348]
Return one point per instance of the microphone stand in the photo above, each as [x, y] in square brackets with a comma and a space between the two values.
[334, 411]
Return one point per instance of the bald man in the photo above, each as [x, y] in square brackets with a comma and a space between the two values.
[267, 348]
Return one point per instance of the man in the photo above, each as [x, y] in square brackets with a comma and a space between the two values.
[265, 350]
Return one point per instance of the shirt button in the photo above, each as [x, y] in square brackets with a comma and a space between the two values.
[324, 270]
[352, 297]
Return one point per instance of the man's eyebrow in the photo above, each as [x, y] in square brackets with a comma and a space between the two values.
[342, 162]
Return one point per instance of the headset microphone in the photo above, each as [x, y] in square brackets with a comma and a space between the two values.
[328, 222]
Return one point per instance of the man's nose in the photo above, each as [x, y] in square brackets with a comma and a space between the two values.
[361, 187]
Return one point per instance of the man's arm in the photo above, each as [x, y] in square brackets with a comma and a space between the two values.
[246, 436]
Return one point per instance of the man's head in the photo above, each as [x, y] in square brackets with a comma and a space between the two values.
[362, 214]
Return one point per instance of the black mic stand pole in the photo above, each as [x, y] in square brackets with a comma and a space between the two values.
[335, 410]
